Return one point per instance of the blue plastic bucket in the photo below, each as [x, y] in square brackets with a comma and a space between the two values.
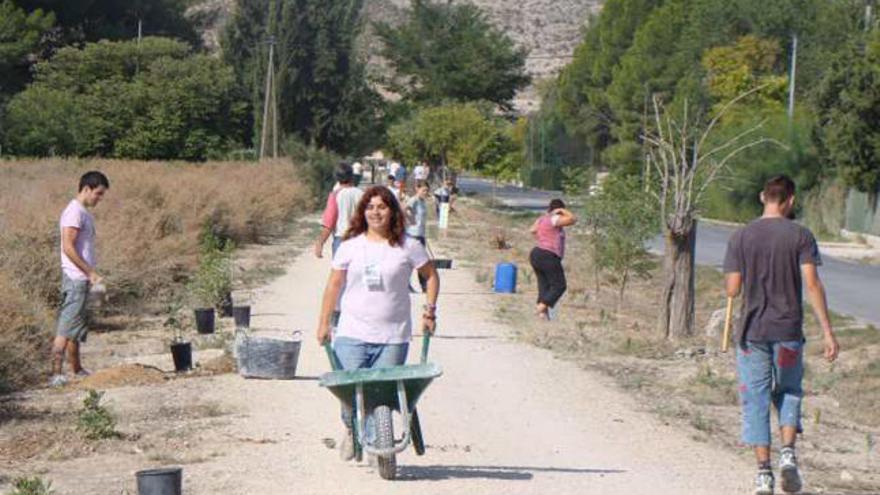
[505, 278]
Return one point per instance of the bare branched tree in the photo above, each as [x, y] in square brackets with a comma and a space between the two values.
[684, 171]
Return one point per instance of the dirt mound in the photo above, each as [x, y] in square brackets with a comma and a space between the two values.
[219, 365]
[120, 376]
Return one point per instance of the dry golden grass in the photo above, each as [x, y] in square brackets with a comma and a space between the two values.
[148, 226]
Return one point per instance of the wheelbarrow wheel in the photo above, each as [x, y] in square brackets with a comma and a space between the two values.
[385, 440]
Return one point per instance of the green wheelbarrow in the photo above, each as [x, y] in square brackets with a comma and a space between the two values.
[383, 390]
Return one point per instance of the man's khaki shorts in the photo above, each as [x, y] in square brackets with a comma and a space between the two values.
[73, 317]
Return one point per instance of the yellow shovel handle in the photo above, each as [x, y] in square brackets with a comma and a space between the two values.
[725, 339]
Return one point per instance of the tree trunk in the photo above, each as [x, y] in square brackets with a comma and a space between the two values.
[677, 297]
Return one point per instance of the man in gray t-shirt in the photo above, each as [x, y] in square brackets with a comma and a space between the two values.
[767, 261]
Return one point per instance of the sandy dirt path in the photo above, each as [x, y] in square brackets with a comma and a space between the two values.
[505, 418]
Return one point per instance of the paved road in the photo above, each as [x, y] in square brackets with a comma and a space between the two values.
[853, 288]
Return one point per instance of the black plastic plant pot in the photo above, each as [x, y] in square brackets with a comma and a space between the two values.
[226, 306]
[205, 320]
[242, 316]
[166, 481]
[182, 354]
[442, 263]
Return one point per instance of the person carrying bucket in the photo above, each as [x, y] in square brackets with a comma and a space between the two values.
[766, 261]
[79, 275]
[371, 270]
[546, 257]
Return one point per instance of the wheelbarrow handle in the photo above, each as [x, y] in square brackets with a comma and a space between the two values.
[335, 365]
[426, 343]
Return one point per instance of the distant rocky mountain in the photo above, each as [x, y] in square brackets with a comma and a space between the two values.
[549, 29]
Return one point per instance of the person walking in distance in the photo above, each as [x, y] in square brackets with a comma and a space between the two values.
[420, 172]
[78, 274]
[767, 261]
[340, 207]
[417, 219]
[357, 169]
[546, 257]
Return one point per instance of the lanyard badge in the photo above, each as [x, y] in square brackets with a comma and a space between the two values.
[373, 277]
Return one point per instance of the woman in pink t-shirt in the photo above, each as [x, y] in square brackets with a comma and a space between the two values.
[546, 257]
[371, 269]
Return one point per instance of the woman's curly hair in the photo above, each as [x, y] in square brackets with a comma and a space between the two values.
[397, 224]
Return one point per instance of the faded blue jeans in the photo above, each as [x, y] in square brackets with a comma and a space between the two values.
[355, 354]
[769, 373]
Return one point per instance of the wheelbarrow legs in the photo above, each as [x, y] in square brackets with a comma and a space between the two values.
[353, 428]
[415, 428]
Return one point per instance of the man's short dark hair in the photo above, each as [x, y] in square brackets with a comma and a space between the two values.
[344, 173]
[421, 183]
[555, 204]
[778, 189]
[93, 180]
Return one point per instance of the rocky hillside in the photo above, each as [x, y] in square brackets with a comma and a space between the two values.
[549, 29]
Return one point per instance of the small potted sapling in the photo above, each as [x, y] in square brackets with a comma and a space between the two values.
[201, 289]
[212, 284]
[181, 350]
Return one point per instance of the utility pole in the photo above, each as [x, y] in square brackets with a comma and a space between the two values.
[137, 62]
[270, 104]
[791, 83]
[270, 101]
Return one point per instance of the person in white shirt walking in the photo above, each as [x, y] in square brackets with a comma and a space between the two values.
[358, 170]
[417, 219]
[79, 273]
[340, 206]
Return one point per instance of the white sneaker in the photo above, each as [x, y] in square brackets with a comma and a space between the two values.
[764, 482]
[58, 381]
[82, 373]
[788, 469]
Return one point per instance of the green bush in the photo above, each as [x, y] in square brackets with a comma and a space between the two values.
[32, 486]
[317, 166]
[212, 282]
[621, 218]
[464, 136]
[156, 100]
[95, 421]
[735, 196]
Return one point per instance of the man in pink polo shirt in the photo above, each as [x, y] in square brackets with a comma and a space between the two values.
[79, 274]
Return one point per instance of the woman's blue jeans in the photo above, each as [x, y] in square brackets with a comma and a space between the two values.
[355, 354]
[769, 373]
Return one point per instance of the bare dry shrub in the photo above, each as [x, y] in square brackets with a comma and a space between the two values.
[148, 227]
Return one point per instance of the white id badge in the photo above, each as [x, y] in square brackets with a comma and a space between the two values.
[373, 277]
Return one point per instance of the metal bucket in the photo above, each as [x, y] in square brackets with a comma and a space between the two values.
[272, 358]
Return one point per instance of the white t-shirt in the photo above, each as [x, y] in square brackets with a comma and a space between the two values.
[346, 203]
[381, 314]
[420, 172]
[419, 216]
[357, 168]
[395, 191]
[77, 216]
